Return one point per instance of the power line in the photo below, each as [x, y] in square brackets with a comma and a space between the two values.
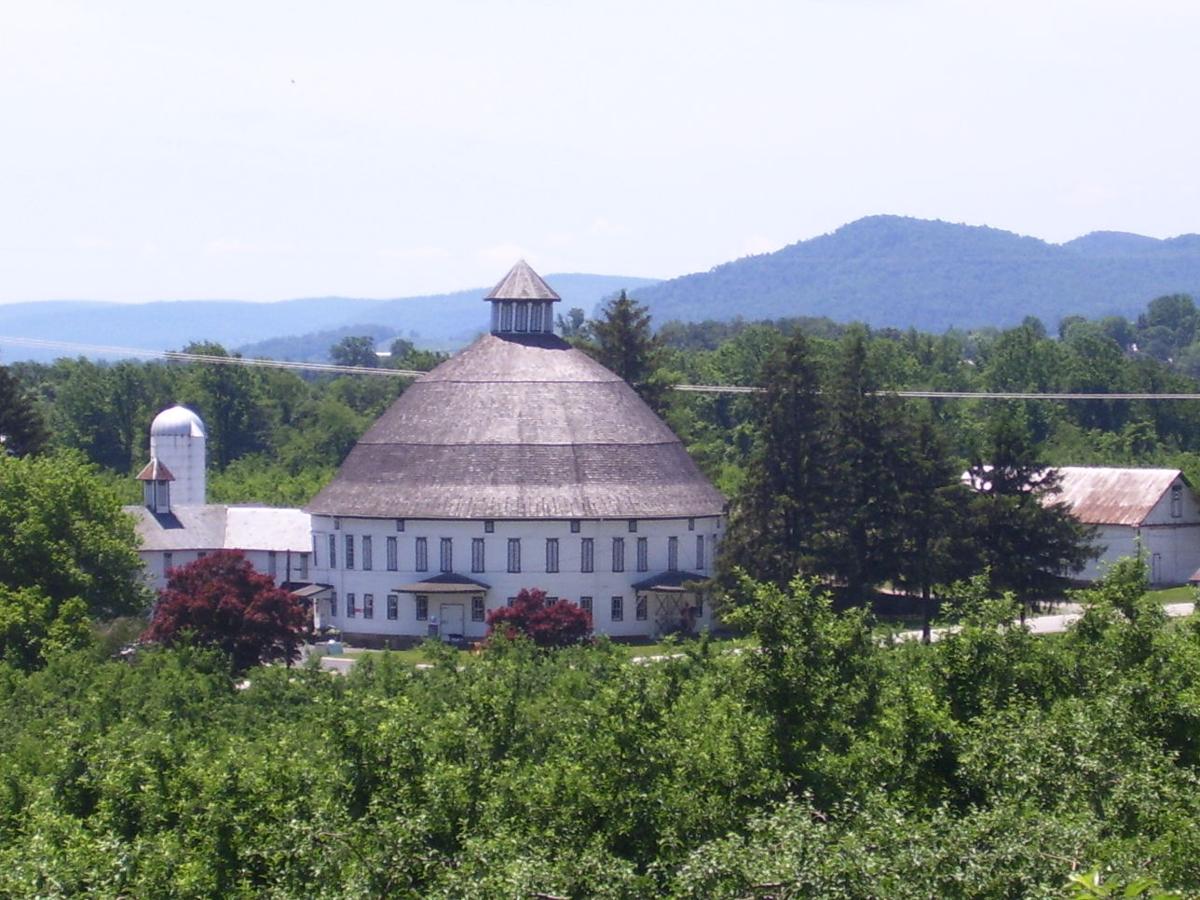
[330, 368]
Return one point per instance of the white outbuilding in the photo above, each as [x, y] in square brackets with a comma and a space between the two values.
[518, 463]
[176, 524]
[1152, 513]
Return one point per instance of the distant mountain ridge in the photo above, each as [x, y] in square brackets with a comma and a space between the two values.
[883, 270]
[932, 275]
[435, 320]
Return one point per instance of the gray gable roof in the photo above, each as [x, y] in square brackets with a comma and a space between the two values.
[522, 283]
[519, 427]
[215, 526]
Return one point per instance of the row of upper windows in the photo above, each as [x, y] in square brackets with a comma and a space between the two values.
[489, 525]
[616, 608]
[587, 554]
[295, 565]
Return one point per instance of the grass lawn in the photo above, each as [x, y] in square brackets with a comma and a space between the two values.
[1183, 594]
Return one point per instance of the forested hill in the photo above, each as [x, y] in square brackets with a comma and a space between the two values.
[891, 270]
[448, 320]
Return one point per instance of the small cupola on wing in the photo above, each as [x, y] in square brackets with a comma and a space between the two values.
[156, 481]
[522, 303]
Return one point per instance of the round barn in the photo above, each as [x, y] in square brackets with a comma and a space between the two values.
[518, 463]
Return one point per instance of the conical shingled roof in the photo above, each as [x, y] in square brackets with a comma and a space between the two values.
[519, 427]
[522, 283]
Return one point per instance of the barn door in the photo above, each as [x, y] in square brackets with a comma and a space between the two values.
[452, 621]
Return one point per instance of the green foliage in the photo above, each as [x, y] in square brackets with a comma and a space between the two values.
[354, 350]
[988, 764]
[22, 430]
[63, 535]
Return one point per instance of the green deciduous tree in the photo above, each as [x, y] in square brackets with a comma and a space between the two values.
[355, 351]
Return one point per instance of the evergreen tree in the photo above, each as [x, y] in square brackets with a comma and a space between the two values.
[22, 430]
[778, 516]
[1025, 538]
[867, 459]
[931, 543]
[625, 344]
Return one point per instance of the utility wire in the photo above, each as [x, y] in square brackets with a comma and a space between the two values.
[330, 368]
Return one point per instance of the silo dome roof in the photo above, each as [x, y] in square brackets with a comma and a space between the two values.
[177, 420]
[519, 426]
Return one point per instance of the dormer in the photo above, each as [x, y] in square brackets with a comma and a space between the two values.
[522, 303]
[156, 487]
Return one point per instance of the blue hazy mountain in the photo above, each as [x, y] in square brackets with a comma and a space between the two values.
[896, 271]
[439, 320]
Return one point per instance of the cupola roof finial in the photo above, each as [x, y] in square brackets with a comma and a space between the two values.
[522, 283]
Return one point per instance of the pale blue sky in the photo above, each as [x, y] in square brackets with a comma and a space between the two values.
[266, 150]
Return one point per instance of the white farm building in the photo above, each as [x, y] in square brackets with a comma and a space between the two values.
[518, 463]
[176, 525]
[1153, 513]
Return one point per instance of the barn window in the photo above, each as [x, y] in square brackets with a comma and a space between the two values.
[314, 543]
[333, 551]
[477, 555]
[574, 526]
[506, 316]
[522, 317]
[640, 609]
[618, 554]
[303, 566]
[551, 554]
[351, 610]
[514, 554]
[617, 611]
[393, 606]
[393, 560]
[632, 526]
[422, 607]
[366, 547]
[422, 554]
[585, 603]
[535, 317]
[368, 606]
[643, 554]
[399, 524]
[587, 555]
[272, 563]
[349, 551]
[673, 554]
[700, 552]
[1176, 501]
[166, 563]
[691, 524]
[447, 554]
[477, 609]
[489, 526]
[333, 604]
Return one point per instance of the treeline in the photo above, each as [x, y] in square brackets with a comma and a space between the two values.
[989, 764]
[274, 436]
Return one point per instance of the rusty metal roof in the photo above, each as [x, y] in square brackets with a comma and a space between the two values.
[522, 283]
[155, 471]
[1101, 495]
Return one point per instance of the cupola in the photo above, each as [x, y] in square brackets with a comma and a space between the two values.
[522, 303]
[156, 481]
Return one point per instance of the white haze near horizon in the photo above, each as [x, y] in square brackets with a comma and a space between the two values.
[269, 149]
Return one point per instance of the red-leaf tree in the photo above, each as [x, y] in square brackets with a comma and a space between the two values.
[221, 601]
[557, 624]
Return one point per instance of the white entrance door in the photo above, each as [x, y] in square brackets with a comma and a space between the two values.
[452, 621]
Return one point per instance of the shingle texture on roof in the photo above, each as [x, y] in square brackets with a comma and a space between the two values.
[155, 471]
[1100, 495]
[215, 526]
[522, 283]
[519, 427]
